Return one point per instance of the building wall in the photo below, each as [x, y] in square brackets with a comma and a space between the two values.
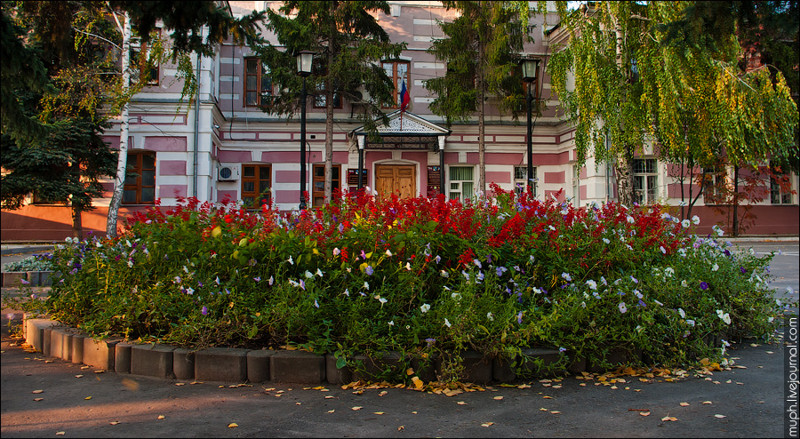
[194, 138]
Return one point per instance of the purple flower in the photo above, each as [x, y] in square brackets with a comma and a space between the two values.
[742, 270]
[726, 252]
[369, 270]
[363, 255]
[430, 341]
[562, 349]
[204, 311]
[703, 286]
[642, 304]
[519, 318]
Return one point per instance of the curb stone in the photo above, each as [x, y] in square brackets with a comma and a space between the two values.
[239, 365]
[221, 364]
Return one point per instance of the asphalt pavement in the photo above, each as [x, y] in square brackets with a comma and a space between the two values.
[45, 397]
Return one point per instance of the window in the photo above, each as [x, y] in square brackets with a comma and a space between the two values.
[42, 199]
[257, 83]
[398, 72]
[140, 178]
[521, 178]
[645, 181]
[714, 185]
[318, 186]
[461, 184]
[141, 65]
[320, 99]
[256, 185]
[780, 187]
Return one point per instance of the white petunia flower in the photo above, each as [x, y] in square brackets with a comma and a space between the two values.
[696, 220]
[425, 308]
[447, 323]
[388, 253]
[490, 316]
[685, 223]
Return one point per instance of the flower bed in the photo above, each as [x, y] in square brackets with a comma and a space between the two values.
[423, 277]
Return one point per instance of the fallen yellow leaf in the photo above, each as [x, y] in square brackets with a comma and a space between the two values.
[383, 393]
[160, 417]
[88, 398]
[461, 403]
[418, 384]
[555, 412]
[114, 422]
[401, 428]
[329, 397]
[684, 404]
[720, 416]
[38, 399]
[668, 418]
[542, 409]
[130, 384]
[644, 413]
[378, 413]
[36, 392]
[707, 402]
[331, 411]
[409, 371]
[233, 425]
[183, 384]
[524, 386]
[61, 433]
[547, 397]
[487, 424]
[356, 408]
[498, 398]
[78, 376]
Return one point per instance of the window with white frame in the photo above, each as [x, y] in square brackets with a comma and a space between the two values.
[521, 179]
[461, 183]
[645, 180]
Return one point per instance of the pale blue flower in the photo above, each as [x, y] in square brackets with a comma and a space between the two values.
[566, 276]
[622, 308]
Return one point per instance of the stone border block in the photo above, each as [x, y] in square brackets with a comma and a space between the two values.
[152, 360]
[14, 278]
[122, 358]
[258, 365]
[299, 367]
[427, 370]
[183, 363]
[34, 332]
[372, 367]
[335, 375]
[76, 355]
[61, 343]
[221, 364]
[99, 353]
[477, 369]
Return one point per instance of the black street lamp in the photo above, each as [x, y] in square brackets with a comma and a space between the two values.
[529, 69]
[304, 60]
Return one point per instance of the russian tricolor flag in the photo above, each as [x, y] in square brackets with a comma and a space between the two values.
[405, 98]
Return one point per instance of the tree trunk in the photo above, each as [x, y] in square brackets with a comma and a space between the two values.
[122, 161]
[332, 49]
[77, 223]
[481, 116]
[736, 200]
[623, 169]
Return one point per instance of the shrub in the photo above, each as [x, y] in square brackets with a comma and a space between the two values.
[31, 263]
[421, 276]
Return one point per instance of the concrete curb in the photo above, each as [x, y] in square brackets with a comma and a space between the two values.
[255, 366]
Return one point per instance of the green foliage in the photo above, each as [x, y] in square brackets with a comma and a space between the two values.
[481, 50]
[423, 277]
[685, 91]
[348, 44]
[32, 263]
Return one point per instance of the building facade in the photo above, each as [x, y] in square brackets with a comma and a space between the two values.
[221, 146]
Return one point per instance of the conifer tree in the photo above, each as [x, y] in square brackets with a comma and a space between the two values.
[481, 49]
[349, 45]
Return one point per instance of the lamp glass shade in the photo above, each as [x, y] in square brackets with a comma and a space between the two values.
[529, 68]
[304, 60]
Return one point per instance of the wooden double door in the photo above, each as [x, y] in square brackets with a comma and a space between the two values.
[399, 179]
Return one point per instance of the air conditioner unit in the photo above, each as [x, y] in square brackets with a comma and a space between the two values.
[228, 172]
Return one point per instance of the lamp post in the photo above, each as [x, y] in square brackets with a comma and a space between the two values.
[304, 60]
[529, 69]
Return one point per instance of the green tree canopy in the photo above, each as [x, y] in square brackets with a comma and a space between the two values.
[349, 45]
[641, 78]
[481, 49]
